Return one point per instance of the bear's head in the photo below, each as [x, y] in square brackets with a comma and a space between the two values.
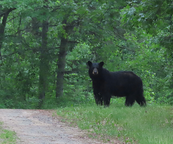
[95, 69]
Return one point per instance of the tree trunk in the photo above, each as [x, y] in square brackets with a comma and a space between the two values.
[44, 64]
[61, 66]
[2, 26]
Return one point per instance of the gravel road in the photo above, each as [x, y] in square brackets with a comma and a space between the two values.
[40, 127]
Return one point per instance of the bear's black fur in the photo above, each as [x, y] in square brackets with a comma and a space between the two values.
[120, 84]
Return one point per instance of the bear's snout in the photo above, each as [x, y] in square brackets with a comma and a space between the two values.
[95, 71]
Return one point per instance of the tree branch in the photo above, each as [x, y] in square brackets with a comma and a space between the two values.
[7, 12]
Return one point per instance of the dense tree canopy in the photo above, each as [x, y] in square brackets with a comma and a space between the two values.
[45, 44]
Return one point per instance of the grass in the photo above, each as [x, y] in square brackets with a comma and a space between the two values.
[6, 136]
[145, 125]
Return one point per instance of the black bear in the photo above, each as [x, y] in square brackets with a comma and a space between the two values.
[120, 84]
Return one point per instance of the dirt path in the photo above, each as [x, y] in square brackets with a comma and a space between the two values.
[40, 127]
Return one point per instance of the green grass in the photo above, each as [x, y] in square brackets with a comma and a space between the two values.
[145, 125]
[6, 136]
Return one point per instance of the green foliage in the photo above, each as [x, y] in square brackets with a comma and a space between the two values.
[126, 35]
[69, 100]
[154, 18]
[6, 136]
[152, 124]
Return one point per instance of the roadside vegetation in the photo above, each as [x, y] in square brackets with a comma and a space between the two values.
[7, 136]
[144, 125]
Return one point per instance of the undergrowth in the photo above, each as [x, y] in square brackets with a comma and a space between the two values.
[152, 124]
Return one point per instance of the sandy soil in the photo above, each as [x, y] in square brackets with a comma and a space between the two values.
[41, 127]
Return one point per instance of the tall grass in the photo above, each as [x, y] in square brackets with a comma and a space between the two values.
[145, 125]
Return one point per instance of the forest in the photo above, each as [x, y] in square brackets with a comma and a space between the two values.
[45, 44]
[44, 48]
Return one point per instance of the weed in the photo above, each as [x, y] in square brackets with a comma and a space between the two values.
[6, 136]
[152, 124]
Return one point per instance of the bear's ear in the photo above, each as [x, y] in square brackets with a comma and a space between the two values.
[101, 64]
[89, 63]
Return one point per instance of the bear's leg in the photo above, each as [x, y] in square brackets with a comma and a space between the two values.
[106, 99]
[141, 101]
[130, 99]
[98, 98]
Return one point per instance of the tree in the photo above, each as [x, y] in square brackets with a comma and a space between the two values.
[154, 18]
[4, 12]
[47, 44]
